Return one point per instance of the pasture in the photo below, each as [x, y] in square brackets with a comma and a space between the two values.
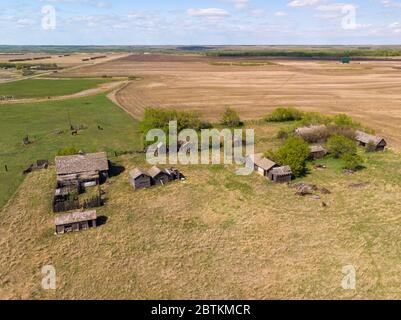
[47, 125]
[42, 88]
[214, 236]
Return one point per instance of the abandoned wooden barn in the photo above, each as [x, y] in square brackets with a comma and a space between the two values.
[73, 222]
[159, 176]
[140, 179]
[84, 170]
[281, 174]
[263, 165]
[365, 139]
[317, 152]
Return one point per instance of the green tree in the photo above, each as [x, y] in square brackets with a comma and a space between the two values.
[284, 114]
[294, 153]
[339, 145]
[230, 118]
[351, 161]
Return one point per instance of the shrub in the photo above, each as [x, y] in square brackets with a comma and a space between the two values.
[68, 151]
[284, 114]
[370, 147]
[349, 133]
[160, 119]
[294, 153]
[343, 120]
[339, 145]
[351, 161]
[318, 135]
[314, 118]
[230, 118]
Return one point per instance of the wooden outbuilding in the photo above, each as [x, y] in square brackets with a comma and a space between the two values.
[317, 152]
[140, 179]
[281, 174]
[159, 176]
[263, 165]
[83, 169]
[73, 222]
[365, 139]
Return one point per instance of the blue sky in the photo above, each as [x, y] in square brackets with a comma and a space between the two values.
[179, 22]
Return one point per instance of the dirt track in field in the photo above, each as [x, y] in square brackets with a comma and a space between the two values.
[369, 91]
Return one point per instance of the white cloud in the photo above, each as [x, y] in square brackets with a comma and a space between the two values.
[391, 4]
[280, 14]
[302, 3]
[208, 13]
[238, 4]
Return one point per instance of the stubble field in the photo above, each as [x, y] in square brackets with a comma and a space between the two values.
[368, 91]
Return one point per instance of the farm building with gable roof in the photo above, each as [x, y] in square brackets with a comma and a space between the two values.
[87, 169]
[364, 139]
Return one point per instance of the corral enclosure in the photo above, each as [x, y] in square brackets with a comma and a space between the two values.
[368, 90]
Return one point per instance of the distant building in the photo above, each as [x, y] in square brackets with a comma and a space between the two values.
[317, 152]
[140, 179]
[281, 174]
[365, 139]
[74, 222]
[82, 169]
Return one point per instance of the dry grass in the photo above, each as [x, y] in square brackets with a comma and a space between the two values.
[215, 236]
[368, 91]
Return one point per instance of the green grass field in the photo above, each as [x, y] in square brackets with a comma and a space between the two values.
[41, 88]
[43, 122]
[214, 236]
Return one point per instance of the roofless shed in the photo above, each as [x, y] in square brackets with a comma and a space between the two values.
[82, 169]
[281, 174]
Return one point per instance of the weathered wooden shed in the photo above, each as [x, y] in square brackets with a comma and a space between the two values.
[73, 222]
[83, 169]
[365, 139]
[263, 165]
[317, 152]
[159, 176]
[140, 179]
[281, 174]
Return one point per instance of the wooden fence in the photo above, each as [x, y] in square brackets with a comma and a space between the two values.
[69, 205]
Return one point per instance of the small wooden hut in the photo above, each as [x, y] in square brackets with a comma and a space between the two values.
[74, 222]
[317, 152]
[263, 165]
[281, 174]
[140, 179]
[365, 139]
[159, 176]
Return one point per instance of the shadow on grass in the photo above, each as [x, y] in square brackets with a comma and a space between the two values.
[115, 170]
[101, 221]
